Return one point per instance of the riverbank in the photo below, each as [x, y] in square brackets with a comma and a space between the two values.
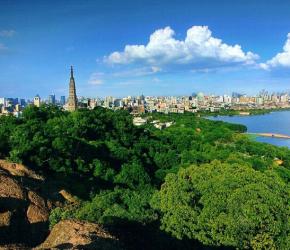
[261, 127]
[243, 112]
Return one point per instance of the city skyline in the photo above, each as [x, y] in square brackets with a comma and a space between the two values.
[73, 97]
[228, 47]
[57, 98]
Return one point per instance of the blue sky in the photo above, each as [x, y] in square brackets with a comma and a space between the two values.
[210, 46]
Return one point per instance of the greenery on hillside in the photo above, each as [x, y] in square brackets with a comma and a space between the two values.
[198, 180]
[226, 204]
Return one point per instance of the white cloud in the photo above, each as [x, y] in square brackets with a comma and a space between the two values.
[96, 78]
[7, 33]
[281, 59]
[155, 69]
[199, 49]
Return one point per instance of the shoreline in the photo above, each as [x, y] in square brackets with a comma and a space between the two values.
[272, 135]
[264, 134]
[245, 112]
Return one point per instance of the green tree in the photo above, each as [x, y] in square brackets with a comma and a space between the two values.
[132, 175]
[229, 205]
[7, 125]
[112, 207]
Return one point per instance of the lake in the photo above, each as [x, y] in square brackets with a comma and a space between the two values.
[274, 122]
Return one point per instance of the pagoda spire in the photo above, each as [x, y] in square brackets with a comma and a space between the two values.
[72, 98]
[71, 72]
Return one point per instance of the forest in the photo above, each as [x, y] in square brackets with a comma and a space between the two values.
[199, 184]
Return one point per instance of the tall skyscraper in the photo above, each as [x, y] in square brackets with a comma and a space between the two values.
[51, 99]
[72, 98]
[62, 100]
[22, 102]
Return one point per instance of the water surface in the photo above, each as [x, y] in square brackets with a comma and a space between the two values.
[275, 122]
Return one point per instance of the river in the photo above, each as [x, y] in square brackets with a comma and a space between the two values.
[274, 122]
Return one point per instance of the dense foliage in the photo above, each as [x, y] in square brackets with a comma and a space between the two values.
[200, 179]
[226, 204]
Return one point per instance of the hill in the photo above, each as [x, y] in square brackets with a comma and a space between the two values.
[137, 181]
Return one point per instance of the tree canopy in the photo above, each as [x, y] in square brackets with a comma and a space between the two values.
[211, 183]
[230, 205]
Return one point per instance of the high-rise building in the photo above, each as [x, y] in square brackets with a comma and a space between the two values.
[108, 101]
[22, 102]
[10, 102]
[51, 99]
[200, 97]
[62, 100]
[118, 103]
[72, 98]
[3, 101]
[36, 101]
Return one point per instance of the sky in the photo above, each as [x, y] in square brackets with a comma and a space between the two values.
[152, 47]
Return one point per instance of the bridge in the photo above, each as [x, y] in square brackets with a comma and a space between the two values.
[273, 135]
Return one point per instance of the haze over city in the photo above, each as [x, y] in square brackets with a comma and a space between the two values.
[160, 48]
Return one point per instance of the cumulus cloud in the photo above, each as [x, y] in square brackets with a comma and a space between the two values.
[7, 33]
[281, 59]
[199, 49]
[96, 78]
